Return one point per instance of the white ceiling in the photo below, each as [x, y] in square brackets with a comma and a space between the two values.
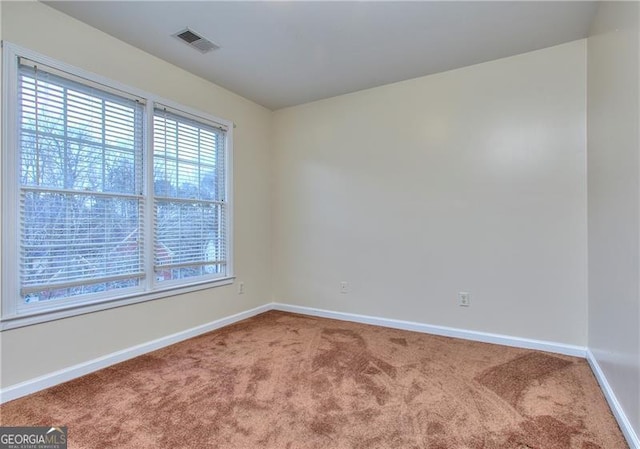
[280, 54]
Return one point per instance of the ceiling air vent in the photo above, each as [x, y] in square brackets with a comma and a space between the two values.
[196, 41]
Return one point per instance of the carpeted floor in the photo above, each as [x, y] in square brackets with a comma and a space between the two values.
[288, 381]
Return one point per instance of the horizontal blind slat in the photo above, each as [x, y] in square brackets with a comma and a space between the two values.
[189, 264]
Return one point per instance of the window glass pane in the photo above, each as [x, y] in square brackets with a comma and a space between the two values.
[188, 159]
[75, 137]
[77, 238]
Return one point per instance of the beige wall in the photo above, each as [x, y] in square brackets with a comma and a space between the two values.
[614, 199]
[470, 180]
[35, 350]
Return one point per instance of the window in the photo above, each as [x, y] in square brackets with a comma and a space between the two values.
[190, 192]
[80, 188]
[109, 196]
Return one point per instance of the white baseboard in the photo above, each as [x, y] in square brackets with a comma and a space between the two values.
[624, 423]
[81, 369]
[506, 340]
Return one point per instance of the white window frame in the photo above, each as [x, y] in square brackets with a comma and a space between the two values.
[12, 315]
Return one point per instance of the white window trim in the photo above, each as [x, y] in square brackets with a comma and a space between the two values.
[150, 290]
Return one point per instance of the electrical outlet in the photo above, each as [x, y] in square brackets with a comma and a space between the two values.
[464, 299]
[241, 288]
[344, 287]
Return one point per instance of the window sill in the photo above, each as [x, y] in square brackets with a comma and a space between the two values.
[43, 316]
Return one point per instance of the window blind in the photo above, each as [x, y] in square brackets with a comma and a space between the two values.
[190, 202]
[81, 177]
